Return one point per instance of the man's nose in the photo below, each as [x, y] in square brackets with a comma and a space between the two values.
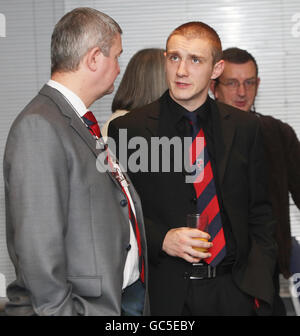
[241, 90]
[182, 69]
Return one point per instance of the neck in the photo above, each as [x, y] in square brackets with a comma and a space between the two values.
[191, 104]
[74, 82]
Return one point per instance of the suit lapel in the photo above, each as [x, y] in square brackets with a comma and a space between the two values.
[138, 211]
[153, 118]
[77, 125]
[224, 135]
[75, 122]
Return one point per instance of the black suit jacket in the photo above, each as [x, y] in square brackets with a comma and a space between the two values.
[282, 150]
[167, 199]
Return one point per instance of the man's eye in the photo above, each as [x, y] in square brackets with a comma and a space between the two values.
[231, 83]
[174, 58]
[250, 82]
[195, 60]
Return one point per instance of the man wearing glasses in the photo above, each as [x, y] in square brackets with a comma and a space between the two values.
[237, 86]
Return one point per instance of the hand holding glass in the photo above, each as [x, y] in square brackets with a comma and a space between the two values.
[200, 222]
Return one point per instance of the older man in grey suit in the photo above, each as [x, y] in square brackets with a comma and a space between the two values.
[74, 234]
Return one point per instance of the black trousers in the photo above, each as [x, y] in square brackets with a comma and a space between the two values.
[217, 297]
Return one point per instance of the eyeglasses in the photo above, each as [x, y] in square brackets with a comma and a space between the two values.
[233, 84]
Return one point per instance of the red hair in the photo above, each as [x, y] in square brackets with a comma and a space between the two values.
[196, 29]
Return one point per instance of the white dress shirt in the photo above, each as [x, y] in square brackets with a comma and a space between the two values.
[131, 270]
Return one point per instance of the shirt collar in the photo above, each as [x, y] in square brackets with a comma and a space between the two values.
[179, 112]
[70, 96]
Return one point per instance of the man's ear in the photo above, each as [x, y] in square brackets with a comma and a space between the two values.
[218, 69]
[92, 58]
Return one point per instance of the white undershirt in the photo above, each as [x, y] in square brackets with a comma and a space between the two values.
[131, 270]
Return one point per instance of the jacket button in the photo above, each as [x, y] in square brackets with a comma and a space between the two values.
[123, 202]
[128, 248]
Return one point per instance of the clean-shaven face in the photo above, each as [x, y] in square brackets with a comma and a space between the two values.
[189, 69]
[238, 85]
[110, 66]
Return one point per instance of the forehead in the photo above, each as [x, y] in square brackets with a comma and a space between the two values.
[190, 46]
[239, 71]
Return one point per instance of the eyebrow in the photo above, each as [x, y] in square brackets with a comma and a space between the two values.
[198, 56]
[253, 77]
[189, 55]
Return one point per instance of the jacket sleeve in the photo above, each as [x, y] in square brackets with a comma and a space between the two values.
[263, 253]
[292, 156]
[261, 219]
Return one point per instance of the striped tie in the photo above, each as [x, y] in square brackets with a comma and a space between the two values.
[135, 226]
[92, 124]
[207, 201]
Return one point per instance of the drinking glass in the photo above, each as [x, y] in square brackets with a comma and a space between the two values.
[200, 222]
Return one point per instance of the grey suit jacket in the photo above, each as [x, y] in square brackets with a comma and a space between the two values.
[67, 223]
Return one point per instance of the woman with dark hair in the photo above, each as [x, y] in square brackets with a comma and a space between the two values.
[143, 82]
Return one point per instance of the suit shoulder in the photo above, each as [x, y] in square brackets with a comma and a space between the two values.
[277, 127]
[39, 112]
[241, 118]
[274, 122]
[39, 106]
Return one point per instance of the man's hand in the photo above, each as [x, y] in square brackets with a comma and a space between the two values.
[179, 242]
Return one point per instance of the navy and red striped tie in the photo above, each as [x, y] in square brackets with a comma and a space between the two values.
[91, 121]
[92, 124]
[135, 226]
[204, 184]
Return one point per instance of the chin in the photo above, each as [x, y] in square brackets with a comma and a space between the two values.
[243, 108]
[110, 91]
[181, 95]
[102, 94]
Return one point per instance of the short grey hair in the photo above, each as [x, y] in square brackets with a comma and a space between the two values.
[76, 33]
